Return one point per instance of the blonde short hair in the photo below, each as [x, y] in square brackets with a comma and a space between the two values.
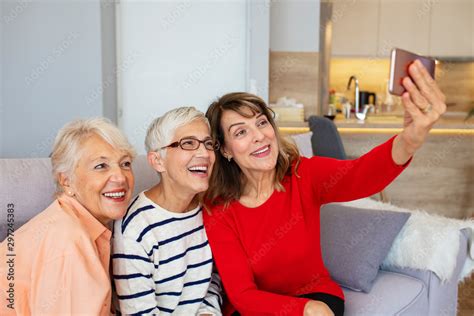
[67, 145]
[162, 130]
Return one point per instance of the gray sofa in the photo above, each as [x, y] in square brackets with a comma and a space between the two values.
[28, 185]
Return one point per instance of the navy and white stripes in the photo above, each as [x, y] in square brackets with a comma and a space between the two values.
[162, 262]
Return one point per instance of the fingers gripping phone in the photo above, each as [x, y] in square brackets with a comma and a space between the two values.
[399, 62]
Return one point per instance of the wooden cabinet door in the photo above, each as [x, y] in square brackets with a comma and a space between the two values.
[404, 24]
[355, 24]
[452, 33]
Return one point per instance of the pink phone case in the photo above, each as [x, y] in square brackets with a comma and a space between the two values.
[399, 62]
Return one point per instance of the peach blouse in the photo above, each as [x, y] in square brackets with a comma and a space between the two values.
[58, 264]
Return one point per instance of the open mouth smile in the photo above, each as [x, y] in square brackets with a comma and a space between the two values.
[199, 169]
[118, 195]
[261, 152]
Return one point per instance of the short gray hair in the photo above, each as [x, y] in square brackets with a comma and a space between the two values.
[162, 130]
[67, 145]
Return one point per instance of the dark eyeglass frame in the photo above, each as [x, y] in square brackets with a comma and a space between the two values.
[215, 144]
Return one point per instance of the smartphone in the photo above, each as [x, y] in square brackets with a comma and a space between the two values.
[400, 60]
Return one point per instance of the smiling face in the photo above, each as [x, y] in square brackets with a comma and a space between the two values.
[102, 180]
[188, 171]
[251, 141]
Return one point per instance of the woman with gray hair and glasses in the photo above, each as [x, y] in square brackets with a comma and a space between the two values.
[63, 253]
[162, 262]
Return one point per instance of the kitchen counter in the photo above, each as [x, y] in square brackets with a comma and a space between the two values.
[449, 124]
[442, 172]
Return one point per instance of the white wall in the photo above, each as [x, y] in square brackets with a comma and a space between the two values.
[259, 50]
[57, 62]
[51, 71]
[176, 53]
[294, 25]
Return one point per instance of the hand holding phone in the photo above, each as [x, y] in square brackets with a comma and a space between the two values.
[423, 102]
[399, 62]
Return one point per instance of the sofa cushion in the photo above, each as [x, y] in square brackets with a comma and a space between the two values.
[355, 242]
[28, 184]
[392, 294]
[303, 142]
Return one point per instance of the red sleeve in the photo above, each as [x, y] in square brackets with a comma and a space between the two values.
[237, 277]
[346, 180]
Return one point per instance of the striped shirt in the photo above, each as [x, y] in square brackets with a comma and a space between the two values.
[162, 262]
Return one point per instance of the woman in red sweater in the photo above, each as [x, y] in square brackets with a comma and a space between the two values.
[264, 200]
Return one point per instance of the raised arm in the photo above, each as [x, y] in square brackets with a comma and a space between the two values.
[345, 180]
[424, 103]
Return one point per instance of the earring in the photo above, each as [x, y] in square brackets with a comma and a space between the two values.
[70, 193]
[229, 158]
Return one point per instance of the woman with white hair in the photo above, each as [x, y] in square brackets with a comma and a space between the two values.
[162, 262]
[63, 253]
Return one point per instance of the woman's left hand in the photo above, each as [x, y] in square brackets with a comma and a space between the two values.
[424, 103]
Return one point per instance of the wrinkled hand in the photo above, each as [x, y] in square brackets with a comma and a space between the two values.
[317, 308]
[424, 103]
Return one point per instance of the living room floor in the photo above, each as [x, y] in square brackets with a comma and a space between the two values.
[466, 298]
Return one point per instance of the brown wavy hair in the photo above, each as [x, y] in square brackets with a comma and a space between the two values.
[227, 179]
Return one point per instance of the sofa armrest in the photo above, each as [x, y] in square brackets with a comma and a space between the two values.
[442, 295]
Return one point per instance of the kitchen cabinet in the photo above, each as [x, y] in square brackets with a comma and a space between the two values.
[355, 27]
[404, 24]
[452, 33]
[370, 28]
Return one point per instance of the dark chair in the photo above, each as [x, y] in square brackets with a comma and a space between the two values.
[326, 141]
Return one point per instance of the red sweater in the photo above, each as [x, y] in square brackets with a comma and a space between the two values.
[268, 255]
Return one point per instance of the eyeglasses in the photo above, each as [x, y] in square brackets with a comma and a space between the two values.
[191, 143]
